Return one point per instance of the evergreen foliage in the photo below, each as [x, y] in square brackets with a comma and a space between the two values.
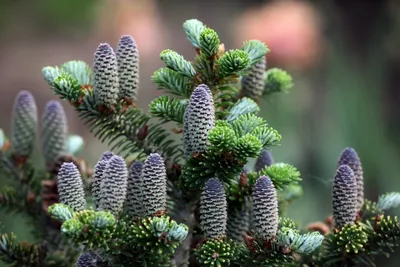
[186, 197]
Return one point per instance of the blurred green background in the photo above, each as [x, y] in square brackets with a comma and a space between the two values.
[343, 55]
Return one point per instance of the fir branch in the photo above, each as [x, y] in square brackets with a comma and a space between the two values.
[383, 235]
[303, 244]
[281, 174]
[205, 69]
[168, 109]
[232, 63]
[209, 42]
[10, 200]
[277, 80]
[129, 131]
[79, 70]
[193, 28]
[388, 201]
[21, 254]
[178, 63]
[243, 106]
[173, 82]
[214, 252]
[256, 50]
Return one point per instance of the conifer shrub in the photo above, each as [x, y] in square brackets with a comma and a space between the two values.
[155, 201]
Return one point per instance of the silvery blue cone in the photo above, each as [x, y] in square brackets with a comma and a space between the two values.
[113, 185]
[265, 208]
[154, 189]
[238, 223]
[253, 83]
[54, 132]
[86, 260]
[97, 177]
[134, 198]
[213, 209]
[264, 160]
[105, 76]
[199, 119]
[128, 67]
[344, 196]
[350, 158]
[70, 187]
[24, 124]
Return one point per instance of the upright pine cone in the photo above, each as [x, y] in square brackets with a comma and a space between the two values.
[134, 196]
[264, 160]
[213, 209]
[128, 68]
[265, 209]
[344, 197]
[253, 84]
[54, 132]
[187, 146]
[154, 189]
[86, 260]
[105, 76]
[24, 124]
[350, 158]
[113, 185]
[70, 187]
[199, 119]
[238, 223]
[97, 177]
